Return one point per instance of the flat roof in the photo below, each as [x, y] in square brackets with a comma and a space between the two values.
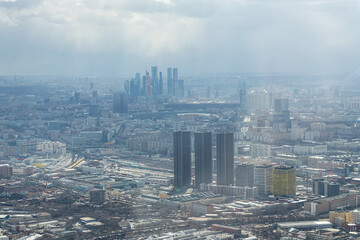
[305, 224]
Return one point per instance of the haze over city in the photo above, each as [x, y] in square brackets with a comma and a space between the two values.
[233, 36]
[179, 119]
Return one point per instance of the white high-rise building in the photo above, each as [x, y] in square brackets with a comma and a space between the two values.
[263, 179]
[258, 150]
[255, 102]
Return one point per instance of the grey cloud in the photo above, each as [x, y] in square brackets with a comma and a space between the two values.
[198, 36]
[19, 4]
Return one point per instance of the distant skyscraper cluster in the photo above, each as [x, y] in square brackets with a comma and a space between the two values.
[153, 84]
[150, 85]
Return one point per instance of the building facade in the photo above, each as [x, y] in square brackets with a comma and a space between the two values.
[284, 181]
[263, 179]
[182, 159]
[244, 174]
[225, 158]
[120, 102]
[203, 158]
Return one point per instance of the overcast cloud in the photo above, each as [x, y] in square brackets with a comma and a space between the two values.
[125, 36]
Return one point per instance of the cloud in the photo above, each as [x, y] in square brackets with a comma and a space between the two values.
[112, 36]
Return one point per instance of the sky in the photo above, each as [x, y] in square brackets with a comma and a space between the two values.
[120, 37]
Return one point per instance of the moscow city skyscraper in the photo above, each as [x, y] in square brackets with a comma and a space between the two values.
[170, 82]
[149, 87]
[135, 86]
[225, 158]
[175, 75]
[154, 80]
[203, 158]
[160, 85]
[175, 81]
[182, 159]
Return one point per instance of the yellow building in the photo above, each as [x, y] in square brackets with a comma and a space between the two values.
[284, 181]
[346, 216]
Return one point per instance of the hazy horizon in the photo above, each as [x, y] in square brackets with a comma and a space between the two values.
[123, 37]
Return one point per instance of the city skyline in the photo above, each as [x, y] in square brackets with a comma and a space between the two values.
[179, 119]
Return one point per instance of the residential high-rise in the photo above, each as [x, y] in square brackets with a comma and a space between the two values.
[154, 80]
[77, 97]
[255, 102]
[258, 150]
[170, 82]
[281, 118]
[94, 110]
[6, 171]
[179, 88]
[281, 104]
[203, 158]
[325, 188]
[242, 96]
[225, 158]
[263, 179]
[182, 159]
[318, 187]
[284, 181]
[244, 174]
[120, 102]
[331, 189]
[97, 196]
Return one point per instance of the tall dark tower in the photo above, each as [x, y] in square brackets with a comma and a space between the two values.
[225, 158]
[175, 81]
[182, 159]
[175, 75]
[170, 82]
[143, 90]
[203, 158]
[161, 84]
[135, 86]
[120, 102]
